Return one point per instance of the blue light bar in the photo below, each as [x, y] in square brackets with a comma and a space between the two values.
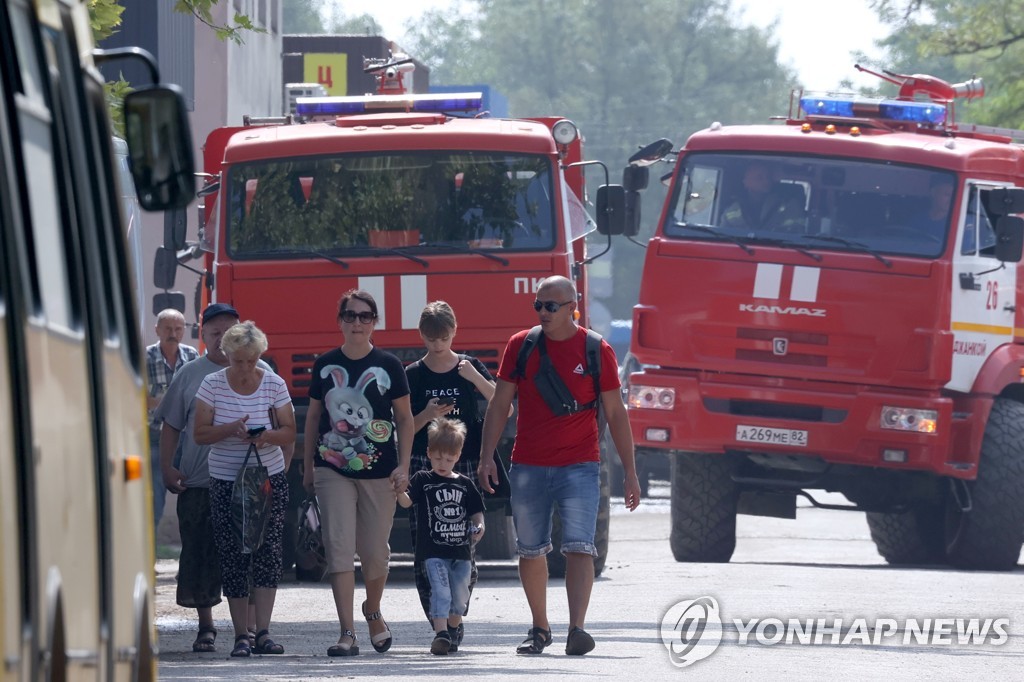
[828, 106]
[915, 112]
[888, 109]
[434, 102]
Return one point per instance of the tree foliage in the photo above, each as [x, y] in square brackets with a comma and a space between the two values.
[302, 16]
[203, 11]
[625, 73]
[955, 41]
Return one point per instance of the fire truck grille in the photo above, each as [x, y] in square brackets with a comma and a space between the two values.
[805, 359]
[752, 408]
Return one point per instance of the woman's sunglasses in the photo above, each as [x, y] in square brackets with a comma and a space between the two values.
[350, 316]
[549, 306]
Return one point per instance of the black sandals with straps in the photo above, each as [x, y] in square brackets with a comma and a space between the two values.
[205, 640]
[537, 639]
[382, 640]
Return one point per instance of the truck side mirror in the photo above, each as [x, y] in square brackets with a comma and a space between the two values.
[611, 209]
[165, 267]
[169, 299]
[631, 220]
[175, 227]
[635, 178]
[1005, 200]
[652, 153]
[1009, 239]
[160, 147]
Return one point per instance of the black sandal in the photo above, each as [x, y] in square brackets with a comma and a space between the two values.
[267, 645]
[537, 639]
[382, 640]
[340, 649]
[242, 648]
[205, 640]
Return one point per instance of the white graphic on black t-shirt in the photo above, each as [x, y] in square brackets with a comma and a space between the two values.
[447, 514]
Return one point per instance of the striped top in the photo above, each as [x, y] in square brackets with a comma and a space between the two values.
[226, 456]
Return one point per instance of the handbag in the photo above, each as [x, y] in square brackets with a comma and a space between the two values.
[250, 503]
[310, 555]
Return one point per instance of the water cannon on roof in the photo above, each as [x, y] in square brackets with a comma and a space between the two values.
[390, 72]
[935, 89]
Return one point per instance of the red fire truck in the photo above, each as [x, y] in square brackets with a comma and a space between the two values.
[413, 198]
[833, 304]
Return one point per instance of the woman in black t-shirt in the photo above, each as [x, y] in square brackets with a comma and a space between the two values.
[358, 404]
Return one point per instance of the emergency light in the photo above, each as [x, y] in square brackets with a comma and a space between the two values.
[434, 102]
[859, 107]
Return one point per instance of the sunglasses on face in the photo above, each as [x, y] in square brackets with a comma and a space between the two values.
[350, 316]
[549, 306]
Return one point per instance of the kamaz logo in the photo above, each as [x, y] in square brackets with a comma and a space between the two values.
[781, 310]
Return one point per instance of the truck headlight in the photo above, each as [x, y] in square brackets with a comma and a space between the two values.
[651, 397]
[907, 419]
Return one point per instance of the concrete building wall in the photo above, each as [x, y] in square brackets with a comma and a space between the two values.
[222, 81]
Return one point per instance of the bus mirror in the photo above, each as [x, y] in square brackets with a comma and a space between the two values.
[169, 299]
[165, 266]
[160, 147]
[652, 153]
[611, 209]
[175, 227]
[1005, 201]
[635, 178]
[1009, 239]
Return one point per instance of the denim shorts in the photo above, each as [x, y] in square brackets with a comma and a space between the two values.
[576, 489]
[449, 586]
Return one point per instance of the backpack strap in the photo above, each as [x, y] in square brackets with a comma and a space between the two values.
[594, 361]
[524, 352]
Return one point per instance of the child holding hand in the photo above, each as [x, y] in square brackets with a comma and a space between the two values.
[449, 520]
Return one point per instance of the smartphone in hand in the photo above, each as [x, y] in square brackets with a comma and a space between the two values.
[256, 430]
[446, 400]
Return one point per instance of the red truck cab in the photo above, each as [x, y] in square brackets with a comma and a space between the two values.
[832, 304]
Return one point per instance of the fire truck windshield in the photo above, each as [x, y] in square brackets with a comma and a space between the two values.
[360, 204]
[859, 205]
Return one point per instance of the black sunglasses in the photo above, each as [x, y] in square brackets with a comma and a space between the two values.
[350, 316]
[549, 306]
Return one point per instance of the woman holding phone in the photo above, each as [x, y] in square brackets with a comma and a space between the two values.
[238, 407]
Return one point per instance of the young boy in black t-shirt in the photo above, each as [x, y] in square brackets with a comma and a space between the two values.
[449, 518]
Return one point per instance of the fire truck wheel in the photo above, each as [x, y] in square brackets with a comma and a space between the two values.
[912, 537]
[499, 541]
[989, 536]
[556, 560]
[704, 498]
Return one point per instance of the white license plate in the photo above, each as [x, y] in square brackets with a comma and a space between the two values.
[762, 434]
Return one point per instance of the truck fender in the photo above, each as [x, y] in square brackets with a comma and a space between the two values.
[1001, 369]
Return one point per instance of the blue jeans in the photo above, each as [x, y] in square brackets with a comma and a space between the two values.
[576, 489]
[449, 586]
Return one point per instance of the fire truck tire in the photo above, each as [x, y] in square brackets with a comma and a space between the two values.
[912, 537]
[499, 540]
[989, 537]
[703, 504]
[556, 560]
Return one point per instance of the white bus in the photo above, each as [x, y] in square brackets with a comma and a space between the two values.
[76, 564]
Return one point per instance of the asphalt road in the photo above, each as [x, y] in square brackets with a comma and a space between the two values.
[786, 579]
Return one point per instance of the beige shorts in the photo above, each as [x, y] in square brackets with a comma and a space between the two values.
[356, 516]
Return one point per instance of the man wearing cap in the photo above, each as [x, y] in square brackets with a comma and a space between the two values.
[163, 359]
[199, 584]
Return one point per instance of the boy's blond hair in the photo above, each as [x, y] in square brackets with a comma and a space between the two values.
[446, 435]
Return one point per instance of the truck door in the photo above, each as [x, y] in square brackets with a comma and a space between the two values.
[983, 298]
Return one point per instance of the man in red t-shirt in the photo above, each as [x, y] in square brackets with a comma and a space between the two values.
[556, 459]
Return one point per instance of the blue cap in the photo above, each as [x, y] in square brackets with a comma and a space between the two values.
[216, 309]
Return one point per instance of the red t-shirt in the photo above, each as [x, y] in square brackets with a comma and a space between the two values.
[543, 439]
